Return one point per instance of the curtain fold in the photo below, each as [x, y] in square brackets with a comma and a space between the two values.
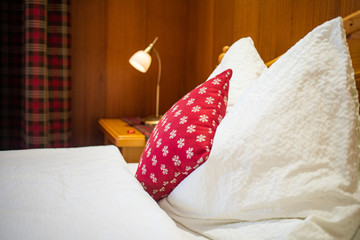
[35, 74]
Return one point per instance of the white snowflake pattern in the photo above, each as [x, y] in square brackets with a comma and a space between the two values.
[200, 160]
[154, 191]
[178, 112]
[191, 128]
[173, 181]
[202, 90]
[219, 105]
[189, 153]
[174, 108]
[153, 178]
[176, 160]
[167, 127]
[172, 134]
[165, 183]
[186, 96]
[148, 153]
[154, 160]
[164, 169]
[209, 100]
[143, 185]
[216, 81]
[219, 93]
[177, 174]
[163, 121]
[220, 118]
[213, 111]
[165, 151]
[200, 138]
[196, 109]
[183, 120]
[181, 142]
[210, 131]
[213, 123]
[188, 168]
[143, 169]
[207, 148]
[225, 100]
[211, 142]
[203, 118]
[190, 101]
[158, 143]
[162, 189]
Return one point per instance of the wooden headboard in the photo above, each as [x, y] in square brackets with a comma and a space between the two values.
[352, 28]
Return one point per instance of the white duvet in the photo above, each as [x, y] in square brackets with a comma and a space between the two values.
[77, 193]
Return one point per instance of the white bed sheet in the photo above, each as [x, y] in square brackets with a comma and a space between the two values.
[77, 193]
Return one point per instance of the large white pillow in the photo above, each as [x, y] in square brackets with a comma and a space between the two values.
[245, 62]
[288, 149]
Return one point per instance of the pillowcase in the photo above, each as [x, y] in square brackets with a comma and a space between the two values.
[287, 150]
[182, 139]
[246, 64]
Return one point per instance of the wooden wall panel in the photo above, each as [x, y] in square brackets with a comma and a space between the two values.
[88, 20]
[105, 33]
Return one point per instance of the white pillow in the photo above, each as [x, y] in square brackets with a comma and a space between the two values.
[246, 64]
[287, 150]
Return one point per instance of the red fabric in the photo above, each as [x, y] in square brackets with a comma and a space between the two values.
[182, 140]
[35, 96]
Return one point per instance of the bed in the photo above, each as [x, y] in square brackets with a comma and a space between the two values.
[255, 152]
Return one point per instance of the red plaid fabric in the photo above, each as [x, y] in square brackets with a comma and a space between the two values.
[35, 95]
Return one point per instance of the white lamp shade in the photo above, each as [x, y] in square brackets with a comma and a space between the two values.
[141, 60]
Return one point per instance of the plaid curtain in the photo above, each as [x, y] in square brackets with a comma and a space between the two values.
[35, 80]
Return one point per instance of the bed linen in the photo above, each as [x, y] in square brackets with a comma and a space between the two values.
[284, 162]
[77, 193]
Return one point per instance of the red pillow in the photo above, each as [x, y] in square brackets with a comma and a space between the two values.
[182, 140]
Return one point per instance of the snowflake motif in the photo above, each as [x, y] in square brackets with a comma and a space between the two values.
[148, 153]
[172, 134]
[181, 142]
[219, 93]
[210, 131]
[143, 185]
[163, 169]
[209, 100]
[214, 123]
[177, 174]
[165, 151]
[165, 183]
[152, 176]
[174, 108]
[196, 166]
[202, 90]
[178, 112]
[167, 127]
[196, 109]
[162, 189]
[147, 146]
[186, 96]
[154, 160]
[188, 168]
[200, 138]
[216, 81]
[225, 100]
[156, 136]
[213, 111]
[200, 160]
[173, 181]
[158, 143]
[220, 118]
[211, 142]
[183, 120]
[207, 149]
[164, 120]
[203, 118]
[143, 169]
[219, 105]
[189, 153]
[191, 101]
[176, 160]
[191, 128]
[154, 191]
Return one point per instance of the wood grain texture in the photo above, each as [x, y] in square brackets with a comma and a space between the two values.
[191, 35]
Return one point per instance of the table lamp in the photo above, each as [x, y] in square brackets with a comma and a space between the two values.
[141, 61]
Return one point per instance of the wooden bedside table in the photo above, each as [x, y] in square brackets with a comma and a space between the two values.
[129, 140]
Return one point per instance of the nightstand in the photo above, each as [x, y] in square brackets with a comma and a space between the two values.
[128, 139]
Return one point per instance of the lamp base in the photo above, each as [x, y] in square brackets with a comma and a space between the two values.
[151, 120]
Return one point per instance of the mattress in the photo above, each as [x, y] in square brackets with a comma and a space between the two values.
[77, 193]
